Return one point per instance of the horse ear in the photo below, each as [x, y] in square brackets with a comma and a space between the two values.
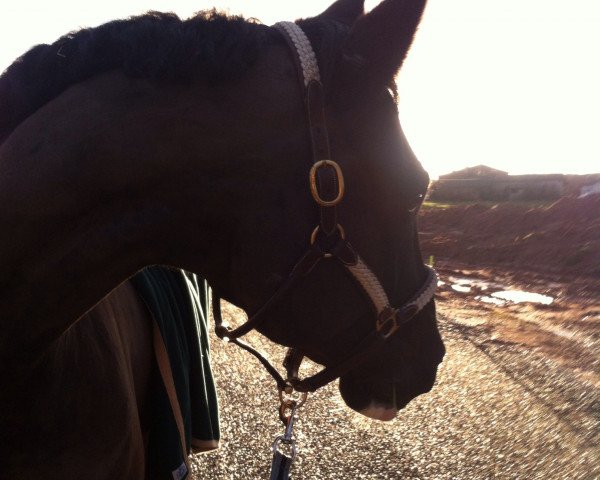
[345, 11]
[380, 40]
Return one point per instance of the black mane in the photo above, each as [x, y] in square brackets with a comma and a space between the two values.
[157, 46]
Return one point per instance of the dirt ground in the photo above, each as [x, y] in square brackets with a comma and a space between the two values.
[562, 238]
[499, 411]
[551, 250]
[566, 331]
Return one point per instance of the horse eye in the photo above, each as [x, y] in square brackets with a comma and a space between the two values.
[417, 202]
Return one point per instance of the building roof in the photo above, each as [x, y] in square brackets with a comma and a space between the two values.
[479, 171]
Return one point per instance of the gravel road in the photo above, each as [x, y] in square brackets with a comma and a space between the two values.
[497, 412]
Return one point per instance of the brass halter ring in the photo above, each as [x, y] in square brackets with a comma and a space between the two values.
[313, 183]
[315, 232]
[289, 396]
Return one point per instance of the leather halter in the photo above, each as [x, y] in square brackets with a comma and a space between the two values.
[327, 243]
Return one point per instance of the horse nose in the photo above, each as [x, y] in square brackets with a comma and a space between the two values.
[382, 398]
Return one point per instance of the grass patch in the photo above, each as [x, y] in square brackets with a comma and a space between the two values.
[486, 203]
[436, 205]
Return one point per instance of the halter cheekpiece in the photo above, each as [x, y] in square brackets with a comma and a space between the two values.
[327, 243]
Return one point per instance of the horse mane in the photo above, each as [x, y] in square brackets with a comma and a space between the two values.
[156, 46]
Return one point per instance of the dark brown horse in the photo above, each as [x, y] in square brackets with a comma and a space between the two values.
[156, 141]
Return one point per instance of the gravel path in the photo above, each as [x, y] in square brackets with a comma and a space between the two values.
[495, 413]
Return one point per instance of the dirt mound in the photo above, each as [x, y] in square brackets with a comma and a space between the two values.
[562, 237]
[585, 209]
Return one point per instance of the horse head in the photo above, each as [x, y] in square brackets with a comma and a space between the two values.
[188, 144]
[325, 315]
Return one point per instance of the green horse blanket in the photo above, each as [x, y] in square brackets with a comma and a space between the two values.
[183, 396]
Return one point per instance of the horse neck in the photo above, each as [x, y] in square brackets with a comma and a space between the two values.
[97, 184]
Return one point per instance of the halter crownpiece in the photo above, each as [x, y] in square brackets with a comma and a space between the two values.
[306, 54]
[328, 241]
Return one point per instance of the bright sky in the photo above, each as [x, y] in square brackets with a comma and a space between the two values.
[514, 84]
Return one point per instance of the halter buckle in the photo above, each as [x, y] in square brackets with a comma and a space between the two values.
[395, 316]
[313, 183]
[387, 323]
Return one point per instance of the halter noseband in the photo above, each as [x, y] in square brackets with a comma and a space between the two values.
[328, 241]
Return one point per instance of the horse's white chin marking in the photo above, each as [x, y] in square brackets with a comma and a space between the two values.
[377, 411]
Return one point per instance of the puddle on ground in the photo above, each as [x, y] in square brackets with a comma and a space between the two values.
[504, 297]
[492, 300]
[514, 296]
[461, 288]
[520, 296]
[465, 285]
[500, 297]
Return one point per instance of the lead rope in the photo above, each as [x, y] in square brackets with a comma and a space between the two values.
[284, 446]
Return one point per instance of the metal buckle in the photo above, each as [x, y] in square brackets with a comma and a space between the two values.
[313, 236]
[398, 316]
[289, 396]
[313, 183]
[315, 232]
[388, 315]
